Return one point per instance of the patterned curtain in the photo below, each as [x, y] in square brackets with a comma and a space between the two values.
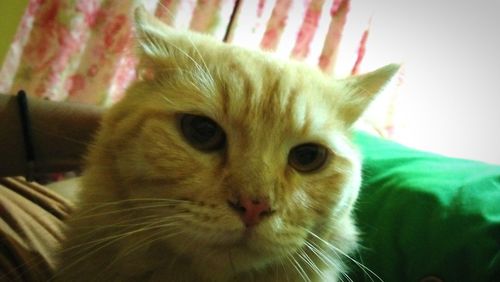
[81, 50]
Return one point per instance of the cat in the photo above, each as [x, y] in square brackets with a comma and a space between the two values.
[220, 164]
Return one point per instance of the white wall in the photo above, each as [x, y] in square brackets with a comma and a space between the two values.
[450, 102]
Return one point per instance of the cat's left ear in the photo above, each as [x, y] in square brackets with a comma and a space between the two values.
[362, 89]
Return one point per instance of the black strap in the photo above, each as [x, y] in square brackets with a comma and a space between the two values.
[22, 102]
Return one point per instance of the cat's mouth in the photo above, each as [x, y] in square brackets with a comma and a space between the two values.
[254, 242]
[245, 238]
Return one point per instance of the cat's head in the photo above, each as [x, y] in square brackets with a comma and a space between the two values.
[238, 156]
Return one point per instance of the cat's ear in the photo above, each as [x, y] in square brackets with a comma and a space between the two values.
[156, 40]
[362, 89]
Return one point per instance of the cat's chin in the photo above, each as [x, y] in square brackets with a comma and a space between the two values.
[241, 248]
[252, 249]
[258, 240]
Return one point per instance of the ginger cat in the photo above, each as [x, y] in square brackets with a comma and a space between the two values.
[220, 164]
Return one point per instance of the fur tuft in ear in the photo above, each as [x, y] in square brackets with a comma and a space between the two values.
[362, 90]
[151, 35]
[160, 43]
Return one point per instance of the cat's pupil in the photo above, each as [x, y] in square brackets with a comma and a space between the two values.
[306, 154]
[204, 129]
[308, 157]
[202, 132]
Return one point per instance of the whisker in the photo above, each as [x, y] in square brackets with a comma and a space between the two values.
[305, 258]
[166, 9]
[365, 269]
[133, 222]
[110, 239]
[196, 64]
[160, 235]
[95, 242]
[321, 255]
[336, 266]
[155, 203]
[207, 71]
[107, 241]
[118, 211]
[298, 268]
[284, 271]
[136, 200]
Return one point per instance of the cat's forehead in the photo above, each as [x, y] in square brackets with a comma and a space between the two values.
[264, 94]
[197, 73]
[249, 92]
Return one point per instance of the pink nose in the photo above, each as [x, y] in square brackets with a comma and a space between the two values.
[251, 211]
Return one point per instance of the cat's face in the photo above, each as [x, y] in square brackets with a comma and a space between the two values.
[245, 155]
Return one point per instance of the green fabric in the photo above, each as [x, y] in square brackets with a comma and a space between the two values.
[423, 215]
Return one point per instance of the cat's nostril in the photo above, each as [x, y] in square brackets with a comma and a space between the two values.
[251, 211]
[235, 205]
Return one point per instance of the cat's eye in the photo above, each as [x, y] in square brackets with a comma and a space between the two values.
[308, 157]
[202, 132]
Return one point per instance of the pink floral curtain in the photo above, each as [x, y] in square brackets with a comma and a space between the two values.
[82, 51]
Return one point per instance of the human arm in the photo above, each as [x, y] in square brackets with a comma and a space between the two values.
[61, 132]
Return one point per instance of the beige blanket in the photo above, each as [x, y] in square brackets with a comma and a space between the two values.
[31, 219]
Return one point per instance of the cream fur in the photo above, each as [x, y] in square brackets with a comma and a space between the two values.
[153, 208]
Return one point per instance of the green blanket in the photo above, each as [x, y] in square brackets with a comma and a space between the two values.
[424, 215]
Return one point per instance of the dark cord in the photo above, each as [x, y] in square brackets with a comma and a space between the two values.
[232, 20]
[22, 102]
